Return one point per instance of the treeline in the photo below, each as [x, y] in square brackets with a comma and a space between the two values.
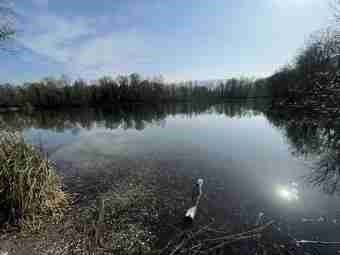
[54, 93]
[312, 80]
[242, 89]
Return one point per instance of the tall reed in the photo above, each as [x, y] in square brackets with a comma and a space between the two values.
[29, 186]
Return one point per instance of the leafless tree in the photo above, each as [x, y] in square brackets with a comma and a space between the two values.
[335, 5]
[321, 49]
[7, 24]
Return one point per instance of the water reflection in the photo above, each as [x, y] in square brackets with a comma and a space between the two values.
[326, 171]
[289, 192]
[311, 137]
[132, 116]
[243, 151]
[316, 138]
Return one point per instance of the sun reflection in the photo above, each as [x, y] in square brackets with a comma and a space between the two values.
[289, 192]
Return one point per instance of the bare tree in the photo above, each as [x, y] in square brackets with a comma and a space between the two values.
[7, 24]
[335, 5]
[321, 49]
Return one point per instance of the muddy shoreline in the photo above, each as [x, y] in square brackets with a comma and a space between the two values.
[147, 213]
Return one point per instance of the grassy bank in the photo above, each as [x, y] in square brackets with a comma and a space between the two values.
[115, 214]
[30, 191]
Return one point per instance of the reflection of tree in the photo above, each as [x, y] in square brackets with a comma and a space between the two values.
[75, 131]
[131, 116]
[240, 109]
[326, 172]
[317, 137]
[304, 136]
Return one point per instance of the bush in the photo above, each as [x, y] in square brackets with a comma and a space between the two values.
[29, 188]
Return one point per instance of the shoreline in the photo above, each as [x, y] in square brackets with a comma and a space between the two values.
[122, 199]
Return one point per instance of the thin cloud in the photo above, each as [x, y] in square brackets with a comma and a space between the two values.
[79, 45]
[52, 36]
[41, 3]
[152, 37]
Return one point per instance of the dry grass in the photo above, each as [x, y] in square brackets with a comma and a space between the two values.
[118, 222]
[29, 188]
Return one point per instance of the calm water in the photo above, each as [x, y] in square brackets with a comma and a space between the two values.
[252, 160]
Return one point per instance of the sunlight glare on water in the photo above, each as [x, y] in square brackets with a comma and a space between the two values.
[289, 193]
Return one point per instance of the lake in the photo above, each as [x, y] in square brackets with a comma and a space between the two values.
[251, 159]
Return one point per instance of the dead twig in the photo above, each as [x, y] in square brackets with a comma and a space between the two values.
[234, 236]
[190, 242]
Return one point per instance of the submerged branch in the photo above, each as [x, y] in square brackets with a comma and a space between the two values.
[202, 245]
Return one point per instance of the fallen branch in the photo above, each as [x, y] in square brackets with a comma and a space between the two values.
[318, 243]
[190, 242]
[233, 241]
[234, 236]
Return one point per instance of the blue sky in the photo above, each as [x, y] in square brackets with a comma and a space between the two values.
[178, 39]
